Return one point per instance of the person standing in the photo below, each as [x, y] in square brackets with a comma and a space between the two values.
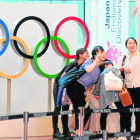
[81, 55]
[106, 98]
[131, 69]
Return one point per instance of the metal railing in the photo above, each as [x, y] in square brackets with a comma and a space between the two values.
[82, 111]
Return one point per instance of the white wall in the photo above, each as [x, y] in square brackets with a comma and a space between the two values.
[30, 91]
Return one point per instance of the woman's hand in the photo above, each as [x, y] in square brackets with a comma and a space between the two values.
[87, 98]
[97, 97]
[121, 68]
[88, 90]
[97, 59]
[126, 69]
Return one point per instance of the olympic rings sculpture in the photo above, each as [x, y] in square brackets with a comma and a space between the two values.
[45, 41]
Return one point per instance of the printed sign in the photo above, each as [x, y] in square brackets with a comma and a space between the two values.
[113, 27]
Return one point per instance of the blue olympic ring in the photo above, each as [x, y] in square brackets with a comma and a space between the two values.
[7, 37]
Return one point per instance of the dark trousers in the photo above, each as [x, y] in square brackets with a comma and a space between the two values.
[64, 118]
[125, 118]
[75, 92]
[103, 119]
[135, 96]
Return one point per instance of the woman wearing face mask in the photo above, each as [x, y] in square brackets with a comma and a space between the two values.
[81, 55]
[106, 97]
[131, 69]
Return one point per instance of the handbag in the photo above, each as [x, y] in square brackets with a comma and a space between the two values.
[71, 76]
[122, 72]
[125, 97]
[112, 82]
[65, 99]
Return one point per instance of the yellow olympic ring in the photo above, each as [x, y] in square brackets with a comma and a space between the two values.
[25, 60]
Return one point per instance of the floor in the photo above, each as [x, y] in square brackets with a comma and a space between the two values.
[30, 138]
[51, 138]
[41, 138]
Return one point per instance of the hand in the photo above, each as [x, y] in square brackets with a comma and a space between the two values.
[97, 59]
[87, 98]
[126, 69]
[97, 97]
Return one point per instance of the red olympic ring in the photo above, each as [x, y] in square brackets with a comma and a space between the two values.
[85, 34]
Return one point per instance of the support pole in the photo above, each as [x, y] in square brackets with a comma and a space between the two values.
[25, 126]
[105, 137]
[49, 94]
[8, 96]
[81, 121]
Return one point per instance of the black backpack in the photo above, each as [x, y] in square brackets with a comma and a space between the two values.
[71, 76]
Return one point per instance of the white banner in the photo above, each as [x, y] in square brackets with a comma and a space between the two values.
[113, 27]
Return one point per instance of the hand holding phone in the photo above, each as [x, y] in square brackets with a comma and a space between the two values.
[97, 56]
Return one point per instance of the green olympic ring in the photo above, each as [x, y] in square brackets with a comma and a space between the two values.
[35, 55]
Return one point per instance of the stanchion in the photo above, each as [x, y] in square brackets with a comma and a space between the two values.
[8, 96]
[105, 137]
[25, 126]
[81, 121]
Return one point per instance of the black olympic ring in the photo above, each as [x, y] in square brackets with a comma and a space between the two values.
[46, 30]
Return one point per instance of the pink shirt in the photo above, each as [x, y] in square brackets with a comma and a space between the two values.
[132, 79]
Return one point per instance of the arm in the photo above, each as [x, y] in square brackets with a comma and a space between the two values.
[96, 90]
[122, 68]
[117, 72]
[96, 62]
[88, 90]
[91, 67]
[126, 69]
[69, 67]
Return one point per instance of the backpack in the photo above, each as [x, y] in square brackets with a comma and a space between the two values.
[73, 75]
